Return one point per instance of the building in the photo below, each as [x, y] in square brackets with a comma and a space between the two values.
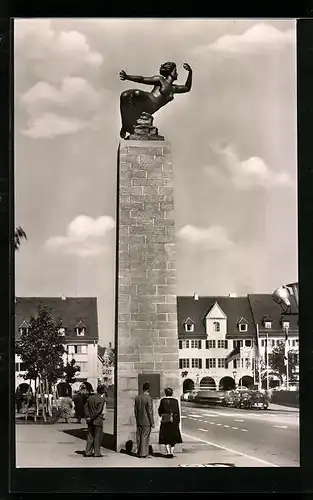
[209, 328]
[105, 365]
[79, 329]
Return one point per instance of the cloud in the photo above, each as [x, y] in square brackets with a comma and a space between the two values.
[259, 38]
[85, 236]
[53, 55]
[51, 125]
[211, 238]
[247, 174]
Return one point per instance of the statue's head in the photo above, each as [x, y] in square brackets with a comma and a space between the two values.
[169, 68]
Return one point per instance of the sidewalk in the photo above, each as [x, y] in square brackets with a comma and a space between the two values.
[276, 407]
[55, 446]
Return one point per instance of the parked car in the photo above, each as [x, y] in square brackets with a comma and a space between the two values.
[230, 398]
[192, 395]
[207, 396]
[253, 399]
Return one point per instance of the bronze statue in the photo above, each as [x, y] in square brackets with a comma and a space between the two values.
[135, 103]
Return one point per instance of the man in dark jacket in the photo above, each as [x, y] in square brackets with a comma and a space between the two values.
[94, 418]
[144, 420]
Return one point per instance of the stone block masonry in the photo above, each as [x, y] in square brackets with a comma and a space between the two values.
[146, 316]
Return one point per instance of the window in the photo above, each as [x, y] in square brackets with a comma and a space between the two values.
[243, 327]
[195, 344]
[222, 344]
[22, 367]
[184, 363]
[221, 362]
[80, 331]
[180, 344]
[189, 327]
[210, 363]
[247, 363]
[81, 349]
[210, 344]
[241, 362]
[293, 342]
[196, 363]
[17, 367]
[235, 364]
[23, 330]
[262, 343]
[83, 365]
[270, 358]
[187, 344]
[267, 324]
[273, 343]
[285, 324]
[237, 342]
[216, 326]
[248, 343]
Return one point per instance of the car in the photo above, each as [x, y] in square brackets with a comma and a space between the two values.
[230, 398]
[207, 396]
[253, 399]
[192, 395]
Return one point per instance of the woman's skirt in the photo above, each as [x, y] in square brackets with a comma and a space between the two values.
[170, 433]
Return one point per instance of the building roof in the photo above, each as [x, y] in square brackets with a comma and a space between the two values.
[234, 308]
[72, 311]
[263, 305]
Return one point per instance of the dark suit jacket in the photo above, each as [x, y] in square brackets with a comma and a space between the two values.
[144, 410]
[170, 405]
[94, 408]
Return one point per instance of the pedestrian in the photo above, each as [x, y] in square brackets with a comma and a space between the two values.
[66, 408]
[143, 410]
[79, 403]
[94, 417]
[169, 434]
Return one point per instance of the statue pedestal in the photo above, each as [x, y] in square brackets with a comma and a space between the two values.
[146, 316]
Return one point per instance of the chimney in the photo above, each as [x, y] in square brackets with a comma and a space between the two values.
[110, 345]
[196, 296]
[232, 295]
[63, 297]
[295, 289]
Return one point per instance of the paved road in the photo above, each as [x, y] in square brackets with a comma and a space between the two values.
[269, 435]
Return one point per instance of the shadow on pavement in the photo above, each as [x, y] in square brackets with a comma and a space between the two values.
[108, 440]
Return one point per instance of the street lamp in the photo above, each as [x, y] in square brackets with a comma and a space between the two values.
[286, 357]
[234, 374]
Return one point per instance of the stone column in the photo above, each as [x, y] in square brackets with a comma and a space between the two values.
[146, 328]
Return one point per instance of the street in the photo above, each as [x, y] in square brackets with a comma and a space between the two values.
[269, 435]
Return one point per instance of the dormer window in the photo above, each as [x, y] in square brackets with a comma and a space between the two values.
[80, 329]
[23, 329]
[217, 326]
[189, 325]
[242, 325]
[267, 324]
[285, 324]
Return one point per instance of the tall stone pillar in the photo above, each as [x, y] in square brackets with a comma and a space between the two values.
[146, 320]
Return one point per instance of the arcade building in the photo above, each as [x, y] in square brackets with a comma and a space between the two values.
[79, 330]
[209, 328]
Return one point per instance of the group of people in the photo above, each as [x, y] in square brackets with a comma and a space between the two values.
[168, 410]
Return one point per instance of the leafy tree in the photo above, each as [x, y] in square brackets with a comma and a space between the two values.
[41, 349]
[70, 371]
[277, 361]
[19, 234]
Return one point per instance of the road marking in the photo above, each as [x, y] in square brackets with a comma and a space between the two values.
[203, 430]
[194, 415]
[235, 428]
[281, 426]
[212, 423]
[218, 424]
[226, 425]
[244, 430]
[230, 450]
[238, 420]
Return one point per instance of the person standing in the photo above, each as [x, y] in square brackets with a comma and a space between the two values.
[143, 410]
[169, 434]
[94, 418]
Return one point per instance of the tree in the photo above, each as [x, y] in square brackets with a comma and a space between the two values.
[70, 371]
[277, 361]
[41, 350]
[19, 234]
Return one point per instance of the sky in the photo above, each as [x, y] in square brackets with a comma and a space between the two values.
[233, 141]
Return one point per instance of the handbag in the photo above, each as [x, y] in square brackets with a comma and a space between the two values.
[167, 417]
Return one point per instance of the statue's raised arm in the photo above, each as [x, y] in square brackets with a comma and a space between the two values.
[133, 102]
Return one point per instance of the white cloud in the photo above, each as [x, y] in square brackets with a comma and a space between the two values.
[53, 55]
[247, 174]
[258, 38]
[72, 93]
[211, 238]
[51, 125]
[85, 236]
